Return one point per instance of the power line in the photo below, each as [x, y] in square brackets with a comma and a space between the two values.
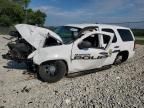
[126, 22]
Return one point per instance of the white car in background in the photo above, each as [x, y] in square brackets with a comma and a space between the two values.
[70, 48]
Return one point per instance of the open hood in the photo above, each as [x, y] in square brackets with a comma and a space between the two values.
[36, 35]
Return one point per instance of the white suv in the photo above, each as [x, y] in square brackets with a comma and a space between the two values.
[72, 48]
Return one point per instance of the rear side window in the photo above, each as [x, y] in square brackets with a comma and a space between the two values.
[106, 39]
[111, 31]
[125, 35]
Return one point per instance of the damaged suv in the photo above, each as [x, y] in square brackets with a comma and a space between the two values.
[70, 48]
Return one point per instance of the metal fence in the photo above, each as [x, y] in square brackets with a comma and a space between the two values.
[133, 25]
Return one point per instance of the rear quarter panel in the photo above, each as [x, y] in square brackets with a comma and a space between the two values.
[127, 45]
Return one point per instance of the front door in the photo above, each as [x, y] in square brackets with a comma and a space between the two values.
[85, 58]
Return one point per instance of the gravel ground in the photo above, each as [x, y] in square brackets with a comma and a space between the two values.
[117, 87]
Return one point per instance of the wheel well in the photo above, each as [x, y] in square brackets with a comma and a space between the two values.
[66, 66]
[57, 60]
[125, 55]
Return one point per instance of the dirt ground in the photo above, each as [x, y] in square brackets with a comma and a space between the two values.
[117, 87]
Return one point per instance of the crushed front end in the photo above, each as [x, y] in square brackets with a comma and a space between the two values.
[19, 48]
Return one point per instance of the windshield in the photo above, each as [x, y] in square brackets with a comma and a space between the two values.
[68, 34]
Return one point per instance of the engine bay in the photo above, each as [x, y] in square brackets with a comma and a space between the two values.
[19, 48]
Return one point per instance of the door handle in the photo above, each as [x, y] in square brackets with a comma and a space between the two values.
[103, 53]
[116, 47]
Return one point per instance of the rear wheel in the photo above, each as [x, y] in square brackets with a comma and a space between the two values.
[121, 57]
[52, 71]
[118, 60]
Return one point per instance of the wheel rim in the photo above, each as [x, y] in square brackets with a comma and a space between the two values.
[118, 60]
[50, 69]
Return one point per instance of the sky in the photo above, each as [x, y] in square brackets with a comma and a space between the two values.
[61, 12]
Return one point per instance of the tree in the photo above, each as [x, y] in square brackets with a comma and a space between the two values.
[5, 20]
[36, 18]
[15, 11]
[40, 18]
[24, 4]
[10, 13]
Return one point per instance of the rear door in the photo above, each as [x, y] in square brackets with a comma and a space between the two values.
[114, 48]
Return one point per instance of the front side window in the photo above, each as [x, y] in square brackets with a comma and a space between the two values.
[106, 39]
[94, 40]
[125, 35]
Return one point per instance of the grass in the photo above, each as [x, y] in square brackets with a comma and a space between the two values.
[6, 30]
[141, 42]
[138, 32]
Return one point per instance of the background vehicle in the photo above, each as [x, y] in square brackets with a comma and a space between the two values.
[71, 48]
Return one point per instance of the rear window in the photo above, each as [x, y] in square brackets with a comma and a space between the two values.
[111, 31]
[125, 35]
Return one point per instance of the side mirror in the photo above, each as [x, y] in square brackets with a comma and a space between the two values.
[75, 35]
[84, 44]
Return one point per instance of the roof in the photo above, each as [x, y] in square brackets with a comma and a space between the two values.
[97, 25]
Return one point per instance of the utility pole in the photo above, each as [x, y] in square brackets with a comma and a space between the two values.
[26, 3]
[26, 14]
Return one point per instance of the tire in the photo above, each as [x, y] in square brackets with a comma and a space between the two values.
[118, 60]
[52, 71]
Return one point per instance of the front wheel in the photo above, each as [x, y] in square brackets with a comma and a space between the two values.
[52, 71]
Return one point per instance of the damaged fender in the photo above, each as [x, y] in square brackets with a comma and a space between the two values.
[52, 53]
